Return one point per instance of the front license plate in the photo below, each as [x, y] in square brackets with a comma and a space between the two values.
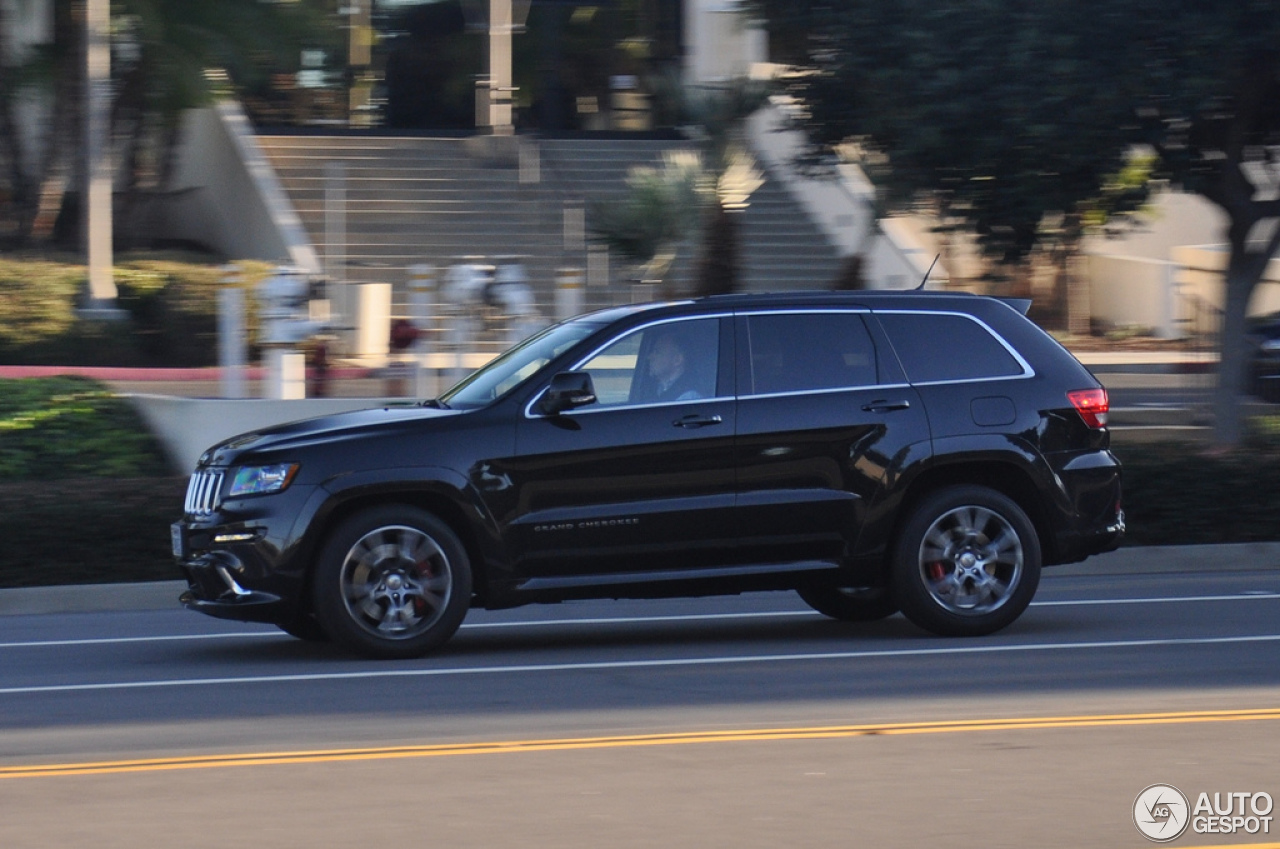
[179, 540]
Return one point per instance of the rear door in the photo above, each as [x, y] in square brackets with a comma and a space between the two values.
[824, 420]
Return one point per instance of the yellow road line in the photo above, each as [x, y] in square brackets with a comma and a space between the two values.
[635, 740]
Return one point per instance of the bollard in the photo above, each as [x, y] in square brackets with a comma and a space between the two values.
[422, 300]
[232, 338]
[569, 293]
[286, 374]
[464, 288]
[512, 294]
[285, 324]
[373, 321]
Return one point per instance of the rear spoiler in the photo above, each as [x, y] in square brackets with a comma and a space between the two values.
[1019, 304]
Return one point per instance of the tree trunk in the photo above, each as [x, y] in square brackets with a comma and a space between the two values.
[129, 129]
[58, 170]
[1244, 270]
[718, 267]
[12, 154]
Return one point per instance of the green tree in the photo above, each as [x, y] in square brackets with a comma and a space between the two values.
[1003, 111]
[661, 210]
[718, 116]
[161, 50]
[696, 193]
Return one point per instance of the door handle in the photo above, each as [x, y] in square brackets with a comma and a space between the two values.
[695, 420]
[885, 406]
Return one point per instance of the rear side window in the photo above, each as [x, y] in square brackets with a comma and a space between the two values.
[935, 347]
[805, 352]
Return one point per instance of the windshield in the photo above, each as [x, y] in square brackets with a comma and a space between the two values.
[512, 368]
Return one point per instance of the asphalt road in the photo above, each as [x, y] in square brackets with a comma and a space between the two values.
[745, 721]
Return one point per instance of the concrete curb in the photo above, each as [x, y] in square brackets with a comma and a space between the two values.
[1144, 560]
[91, 598]
[1173, 559]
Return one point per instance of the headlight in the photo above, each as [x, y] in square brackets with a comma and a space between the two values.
[262, 480]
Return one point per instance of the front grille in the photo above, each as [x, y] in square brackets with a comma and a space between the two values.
[202, 492]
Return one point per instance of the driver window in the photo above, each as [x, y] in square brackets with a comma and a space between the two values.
[613, 369]
[669, 362]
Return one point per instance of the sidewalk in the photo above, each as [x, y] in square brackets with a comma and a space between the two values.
[1150, 560]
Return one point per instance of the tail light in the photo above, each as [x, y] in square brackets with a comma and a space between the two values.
[1092, 405]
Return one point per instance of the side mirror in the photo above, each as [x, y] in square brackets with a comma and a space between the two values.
[568, 390]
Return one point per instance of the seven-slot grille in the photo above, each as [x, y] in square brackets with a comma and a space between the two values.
[202, 492]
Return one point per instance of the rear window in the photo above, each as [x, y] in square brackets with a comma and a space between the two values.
[805, 352]
[936, 347]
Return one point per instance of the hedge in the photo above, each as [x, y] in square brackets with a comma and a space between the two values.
[170, 302]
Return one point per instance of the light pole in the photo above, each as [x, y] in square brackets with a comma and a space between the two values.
[359, 58]
[102, 288]
[500, 19]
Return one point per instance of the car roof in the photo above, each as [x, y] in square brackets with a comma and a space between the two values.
[874, 299]
[870, 297]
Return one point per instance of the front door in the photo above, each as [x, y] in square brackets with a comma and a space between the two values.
[640, 484]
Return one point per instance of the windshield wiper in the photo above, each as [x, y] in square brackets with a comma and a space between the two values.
[434, 403]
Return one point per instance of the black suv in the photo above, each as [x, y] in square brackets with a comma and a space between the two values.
[874, 451]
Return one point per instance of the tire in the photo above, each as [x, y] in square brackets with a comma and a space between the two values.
[305, 628]
[966, 563]
[392, 582]
[850, 604]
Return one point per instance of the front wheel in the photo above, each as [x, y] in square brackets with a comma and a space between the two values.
[966, 563]
[392, 582]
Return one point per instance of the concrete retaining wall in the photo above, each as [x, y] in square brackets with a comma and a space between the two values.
[226, 195]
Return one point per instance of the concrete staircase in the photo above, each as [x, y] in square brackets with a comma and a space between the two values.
[412, 200]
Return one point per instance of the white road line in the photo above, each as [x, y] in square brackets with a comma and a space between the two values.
[643, 664]
[1249, 595]
[160, 638]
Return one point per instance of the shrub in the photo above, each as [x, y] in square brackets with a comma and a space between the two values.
[1175, 494]
[171, 302]
[85, 494]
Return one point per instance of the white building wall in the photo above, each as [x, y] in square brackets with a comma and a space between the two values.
[1150, 277]
[721, 41]
[225, 194]
[1133, 292]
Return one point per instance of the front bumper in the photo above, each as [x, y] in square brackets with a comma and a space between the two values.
[212, 589]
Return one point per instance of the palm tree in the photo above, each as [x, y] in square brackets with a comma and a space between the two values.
[703, 192]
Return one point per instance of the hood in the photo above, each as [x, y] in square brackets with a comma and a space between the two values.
[337, 427]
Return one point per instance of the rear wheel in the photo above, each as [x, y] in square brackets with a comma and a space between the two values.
[392, 582]
[850, 604]
[966, 563]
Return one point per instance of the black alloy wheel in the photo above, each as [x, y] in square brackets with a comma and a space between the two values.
[966, 563]
[392, 582]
